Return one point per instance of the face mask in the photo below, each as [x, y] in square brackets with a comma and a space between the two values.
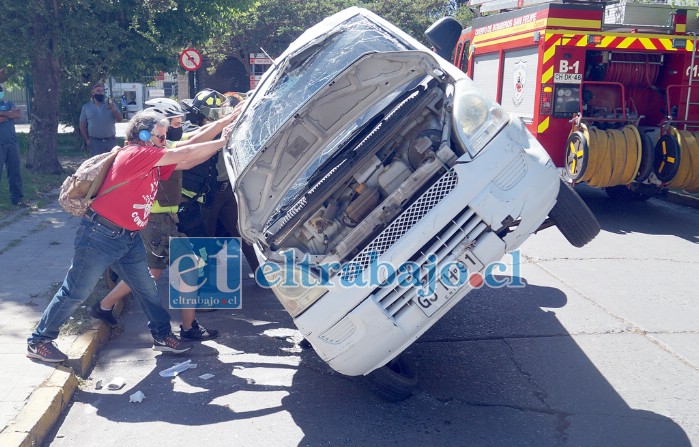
[2, 96]
[174, 133]
[99, 98]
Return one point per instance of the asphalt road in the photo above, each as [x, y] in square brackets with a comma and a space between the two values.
[601, 348]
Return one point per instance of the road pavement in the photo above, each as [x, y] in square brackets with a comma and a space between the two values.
[600, 348]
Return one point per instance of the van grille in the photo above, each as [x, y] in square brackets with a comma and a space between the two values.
[463, 231]
[396, 229]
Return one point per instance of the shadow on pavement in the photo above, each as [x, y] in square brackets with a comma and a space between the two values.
[648, 217]
[498, 370]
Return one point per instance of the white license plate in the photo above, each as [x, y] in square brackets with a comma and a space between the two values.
[443, 292]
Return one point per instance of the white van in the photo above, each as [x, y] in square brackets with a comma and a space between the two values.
[361, 148]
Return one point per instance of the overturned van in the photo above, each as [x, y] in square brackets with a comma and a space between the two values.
[363, 163]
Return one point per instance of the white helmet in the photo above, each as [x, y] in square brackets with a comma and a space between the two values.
[168, 107]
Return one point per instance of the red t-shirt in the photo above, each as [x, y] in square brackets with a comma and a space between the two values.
[129, 205]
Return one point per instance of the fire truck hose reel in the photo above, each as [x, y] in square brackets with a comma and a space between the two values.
[646, 162]
[686, 140]
[695, 167]
[633, 153]
[667, 158]
[577, 155]
[617, 155]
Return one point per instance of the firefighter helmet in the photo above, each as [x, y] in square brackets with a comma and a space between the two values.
[207, 99]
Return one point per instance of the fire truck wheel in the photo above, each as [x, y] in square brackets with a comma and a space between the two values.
[396, 381]
[646, 166]
[577, 155]
[573, 218]
[666, 161]
[623, 192]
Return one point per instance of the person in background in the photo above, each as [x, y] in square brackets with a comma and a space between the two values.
[98, 120]
[109, 235]
[9, 149]
[162, 225]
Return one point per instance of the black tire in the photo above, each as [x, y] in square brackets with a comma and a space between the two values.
[647, 158]
[573, 218]
[395, 381]
[623, 192]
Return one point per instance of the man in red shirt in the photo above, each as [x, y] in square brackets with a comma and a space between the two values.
[108, 235]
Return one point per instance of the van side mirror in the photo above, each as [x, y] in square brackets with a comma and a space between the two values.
[443, 35]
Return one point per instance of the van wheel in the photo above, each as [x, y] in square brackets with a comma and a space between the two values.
[573, 218]
[396, 381]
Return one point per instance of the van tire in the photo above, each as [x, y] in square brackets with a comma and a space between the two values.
[573, 218]
[395, 381]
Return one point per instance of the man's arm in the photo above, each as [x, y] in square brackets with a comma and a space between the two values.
[12, 114]
[83, 132]
[115, 112]
[191, 155]
[209, 131]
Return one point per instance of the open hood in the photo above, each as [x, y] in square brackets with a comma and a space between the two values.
[311, 101]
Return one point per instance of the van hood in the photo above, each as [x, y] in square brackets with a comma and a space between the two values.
[308, 104]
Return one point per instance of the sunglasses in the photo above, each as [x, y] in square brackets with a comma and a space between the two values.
[160, 137]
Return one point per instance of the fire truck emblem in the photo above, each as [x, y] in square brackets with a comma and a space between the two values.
[519, 79]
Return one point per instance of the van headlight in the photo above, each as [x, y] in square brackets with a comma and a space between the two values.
[295, 288]
[476, 118]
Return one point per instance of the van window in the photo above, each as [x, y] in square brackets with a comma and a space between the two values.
[463, 62]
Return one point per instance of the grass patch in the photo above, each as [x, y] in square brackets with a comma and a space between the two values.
[37, 185]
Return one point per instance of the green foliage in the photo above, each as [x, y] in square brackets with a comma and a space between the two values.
[67, 45]
[274, 24]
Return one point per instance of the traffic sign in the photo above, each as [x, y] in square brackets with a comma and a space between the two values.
[190, 59]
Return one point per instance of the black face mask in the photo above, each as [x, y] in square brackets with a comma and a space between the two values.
[99, 98]
[174, 133]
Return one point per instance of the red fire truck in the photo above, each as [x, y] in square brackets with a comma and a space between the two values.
[606, 89]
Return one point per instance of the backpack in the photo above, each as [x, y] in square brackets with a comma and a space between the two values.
[78, 190]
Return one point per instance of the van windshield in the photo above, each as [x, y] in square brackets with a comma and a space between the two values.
[298, 77]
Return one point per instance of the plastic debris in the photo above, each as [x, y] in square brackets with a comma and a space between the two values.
[178, 368]
[117, 383]
[137, 397]
[206, 376]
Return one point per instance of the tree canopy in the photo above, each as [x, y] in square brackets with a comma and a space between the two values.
[66, 46]
[78, 42]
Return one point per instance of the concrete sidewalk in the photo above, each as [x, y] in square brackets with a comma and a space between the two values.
[35, 252]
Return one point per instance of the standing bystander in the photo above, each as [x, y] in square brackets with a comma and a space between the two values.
[163, 221]
[97, 122]
[108, 235]
[9, 149]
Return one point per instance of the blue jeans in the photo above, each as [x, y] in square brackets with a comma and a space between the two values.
[96, 248]
[9, 156]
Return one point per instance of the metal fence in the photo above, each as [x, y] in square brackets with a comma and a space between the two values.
[19, 97]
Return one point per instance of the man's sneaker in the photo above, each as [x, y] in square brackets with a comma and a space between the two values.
[198, 333]
[105, 315]
[46, 352]
[170, 344]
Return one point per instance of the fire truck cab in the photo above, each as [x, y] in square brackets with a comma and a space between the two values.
[610, 91]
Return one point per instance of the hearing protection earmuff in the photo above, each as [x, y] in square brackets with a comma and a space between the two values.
[144, 135]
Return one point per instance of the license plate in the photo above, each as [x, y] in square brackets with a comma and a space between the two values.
[468, 264]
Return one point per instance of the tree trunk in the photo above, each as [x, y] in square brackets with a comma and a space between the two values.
[46, 72]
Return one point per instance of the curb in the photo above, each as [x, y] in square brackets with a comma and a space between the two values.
[682, 199]
[46, 403]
